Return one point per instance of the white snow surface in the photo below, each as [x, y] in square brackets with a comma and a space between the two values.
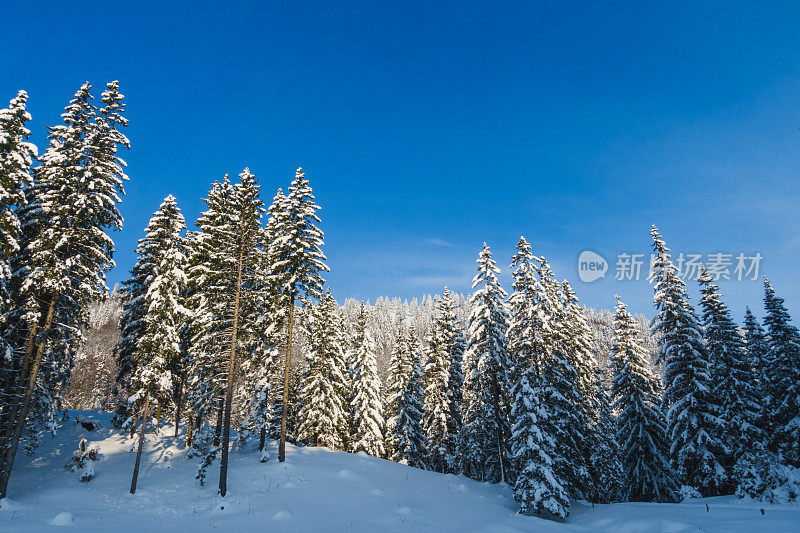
[314, 490]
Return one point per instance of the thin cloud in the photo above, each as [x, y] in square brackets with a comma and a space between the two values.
[439, 242]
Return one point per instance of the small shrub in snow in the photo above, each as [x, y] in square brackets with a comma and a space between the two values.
[83, 460]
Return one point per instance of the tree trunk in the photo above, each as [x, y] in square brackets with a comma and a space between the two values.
[282, 444]
[262, 439]
[218, 427]
[179, 406]
[189, 428]
[21, 417]
[145, 415]
[135, 424]
[226, 432]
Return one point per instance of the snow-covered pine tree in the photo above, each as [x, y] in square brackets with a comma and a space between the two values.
[483, 441]
[16, 158]
[366, 409]
[261, 366]
[688, 399]
[247, 211]
[322, 416]
[732, 378]
[405, 441]
[578, 349]
[533, 441]
[456, 345]
[608, 478]
[297, 261]
[209, 292]
[159, 353]
[640, 426]
[435, 407]
[757, 349]
[559, 388]
[782, 402]
[66, 251]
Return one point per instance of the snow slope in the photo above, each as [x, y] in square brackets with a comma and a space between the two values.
[314, 490]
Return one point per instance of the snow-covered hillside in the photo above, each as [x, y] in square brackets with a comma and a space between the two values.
[314, 490]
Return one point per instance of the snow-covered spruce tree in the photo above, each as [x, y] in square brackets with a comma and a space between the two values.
[159, 353]
[65, 252]
[782, 402]
[483, 441]
[209, 283]
[162, 233]
[691, 412]
[733, 380]
[436, 408]
[608, 478]
[297, 261]
[559, 388]
[322, 416]
[247, 251]
[757, 349]
[16, 157]
[366, 409]
[533, 444]
[447, 307]
[578, 349]
[640, 427]
[405, 441]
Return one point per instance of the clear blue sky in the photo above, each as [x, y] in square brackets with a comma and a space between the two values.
[427, 128]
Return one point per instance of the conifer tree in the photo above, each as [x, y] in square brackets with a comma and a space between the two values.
[691, 411]
[65, 251]
[782, 402]
[484, 435]
[732, 379]
[16, 158]
[366, 410]
[158, 352]
[608, 478]
[456, 345]
[558, 385]
[640, 426]
[209, 294]
[322, 415]
[296, 258]
[436, 409]
[404, 436]
[248, 237]
[757, 349]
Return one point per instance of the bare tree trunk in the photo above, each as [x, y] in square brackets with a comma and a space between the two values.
[282, 444]
[22, 415]
[226, 432]
[262, 439]
[145, 415]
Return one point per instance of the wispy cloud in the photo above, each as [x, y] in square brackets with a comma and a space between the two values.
[438, 242]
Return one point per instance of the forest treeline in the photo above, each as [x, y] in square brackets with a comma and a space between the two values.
[232, 326]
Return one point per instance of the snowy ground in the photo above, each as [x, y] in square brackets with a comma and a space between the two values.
[314, 490]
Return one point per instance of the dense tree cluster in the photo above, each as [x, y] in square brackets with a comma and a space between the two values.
[231, 326]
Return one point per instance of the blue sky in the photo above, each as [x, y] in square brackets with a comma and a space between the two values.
[427, 128]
